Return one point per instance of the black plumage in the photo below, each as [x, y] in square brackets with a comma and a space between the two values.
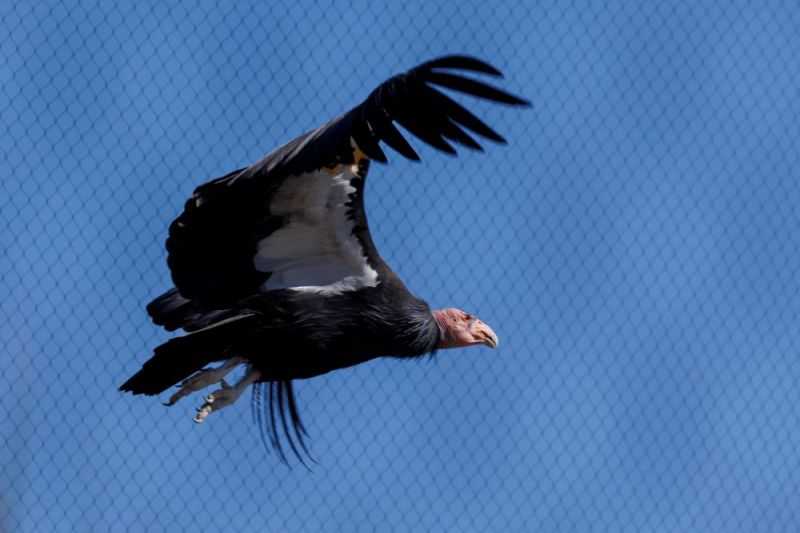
[274, 262]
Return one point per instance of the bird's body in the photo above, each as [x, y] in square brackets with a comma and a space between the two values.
[274, 266]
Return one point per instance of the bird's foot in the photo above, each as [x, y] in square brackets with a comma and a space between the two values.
[225, 395]
[204, 378]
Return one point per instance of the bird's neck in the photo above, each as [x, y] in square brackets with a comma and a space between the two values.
[419, 333]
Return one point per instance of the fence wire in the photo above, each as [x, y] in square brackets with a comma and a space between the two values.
[636, 247]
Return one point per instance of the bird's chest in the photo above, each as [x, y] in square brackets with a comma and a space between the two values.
[324, 344]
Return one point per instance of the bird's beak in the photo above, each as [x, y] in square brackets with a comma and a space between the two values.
[485, 335]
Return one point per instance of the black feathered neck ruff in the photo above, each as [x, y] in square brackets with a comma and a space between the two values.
[416, 329]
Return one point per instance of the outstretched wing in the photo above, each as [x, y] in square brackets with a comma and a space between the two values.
[295, 219]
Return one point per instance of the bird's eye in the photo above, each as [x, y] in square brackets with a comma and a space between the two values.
[467, 316]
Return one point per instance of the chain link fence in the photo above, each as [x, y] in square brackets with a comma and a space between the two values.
[636, 247]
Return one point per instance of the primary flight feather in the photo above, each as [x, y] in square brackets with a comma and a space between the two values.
[275, 269]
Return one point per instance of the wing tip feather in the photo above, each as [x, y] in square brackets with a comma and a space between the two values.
[462, 62]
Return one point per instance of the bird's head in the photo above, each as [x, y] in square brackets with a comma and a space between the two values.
[458, 328]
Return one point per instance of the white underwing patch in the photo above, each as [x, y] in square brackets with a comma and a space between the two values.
[316, 249]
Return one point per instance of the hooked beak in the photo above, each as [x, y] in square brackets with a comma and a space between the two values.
[485, 335]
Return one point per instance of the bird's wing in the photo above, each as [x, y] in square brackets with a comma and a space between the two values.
[295, 219]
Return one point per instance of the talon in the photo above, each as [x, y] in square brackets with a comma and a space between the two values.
[224, 396]
[202, 413]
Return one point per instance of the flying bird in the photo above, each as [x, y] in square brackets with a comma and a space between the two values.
[275, 270]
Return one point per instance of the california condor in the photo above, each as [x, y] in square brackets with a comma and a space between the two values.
[274, 267]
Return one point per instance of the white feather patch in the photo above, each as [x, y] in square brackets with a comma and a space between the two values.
[316, 250]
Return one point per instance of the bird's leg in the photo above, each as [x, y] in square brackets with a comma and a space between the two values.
[226, 395]
[204, 378]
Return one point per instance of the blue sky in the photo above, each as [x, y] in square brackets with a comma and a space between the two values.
[635, 247]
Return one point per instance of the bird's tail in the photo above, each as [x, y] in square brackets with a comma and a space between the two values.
[173, 311]
[179, 358]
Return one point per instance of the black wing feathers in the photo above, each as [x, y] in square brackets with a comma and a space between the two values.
[475, 88]
[462, 63]
[212, 244]
[411, 100]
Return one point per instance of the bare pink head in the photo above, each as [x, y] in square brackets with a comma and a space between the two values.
[462, 329]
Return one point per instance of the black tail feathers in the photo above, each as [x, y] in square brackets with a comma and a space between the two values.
[179, 358]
